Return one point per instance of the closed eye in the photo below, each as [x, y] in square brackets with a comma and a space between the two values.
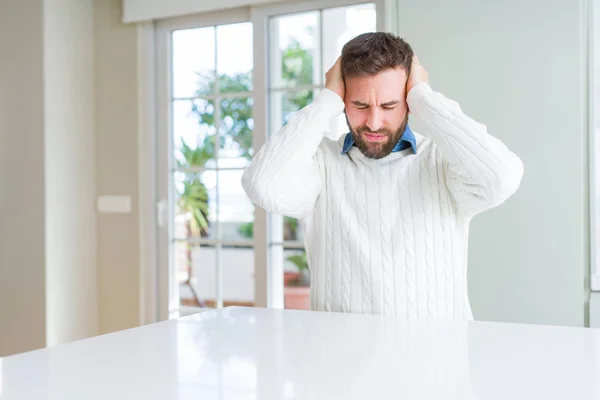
[359, 105]
[390, 105]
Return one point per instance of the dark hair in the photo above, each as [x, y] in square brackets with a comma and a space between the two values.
[371, 53]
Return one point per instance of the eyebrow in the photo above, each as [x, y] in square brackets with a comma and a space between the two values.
[387, 104]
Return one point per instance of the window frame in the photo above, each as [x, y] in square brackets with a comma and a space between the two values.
[168, 298]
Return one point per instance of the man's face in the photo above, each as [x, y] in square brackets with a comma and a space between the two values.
[376, 111]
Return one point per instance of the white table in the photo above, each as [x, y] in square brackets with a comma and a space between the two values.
[246, 353]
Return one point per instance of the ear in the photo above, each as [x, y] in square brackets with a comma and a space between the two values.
[406, 93]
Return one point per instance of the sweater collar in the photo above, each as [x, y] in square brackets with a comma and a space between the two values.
[407, 140]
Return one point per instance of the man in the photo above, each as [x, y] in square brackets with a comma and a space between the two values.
[386, 210]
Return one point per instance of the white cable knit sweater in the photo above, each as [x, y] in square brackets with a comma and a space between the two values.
[386, 236]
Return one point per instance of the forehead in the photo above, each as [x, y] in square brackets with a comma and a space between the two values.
[390, 83]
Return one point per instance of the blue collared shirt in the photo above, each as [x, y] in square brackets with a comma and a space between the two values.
[406, 140]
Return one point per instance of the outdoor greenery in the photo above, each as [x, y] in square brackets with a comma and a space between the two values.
[235, 127]
[193, 199]
[299, 260]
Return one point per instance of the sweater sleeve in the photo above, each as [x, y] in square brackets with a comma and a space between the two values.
[481, 172]
[284, 176]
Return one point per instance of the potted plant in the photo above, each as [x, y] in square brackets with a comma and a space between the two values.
[297, 285]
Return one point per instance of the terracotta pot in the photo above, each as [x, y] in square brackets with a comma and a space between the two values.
[290, 277]
[297, 297]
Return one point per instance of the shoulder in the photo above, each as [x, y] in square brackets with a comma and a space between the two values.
[332, 148]
[329, 153]
[424, 144]
[429, 152]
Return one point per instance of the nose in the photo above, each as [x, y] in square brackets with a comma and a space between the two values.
[374, 121]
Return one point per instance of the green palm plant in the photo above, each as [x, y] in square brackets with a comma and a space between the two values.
[193, 197]
[193, 200]
[299, 260]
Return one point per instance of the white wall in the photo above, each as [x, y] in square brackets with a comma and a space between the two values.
[518, 67]
[70, 170]
[22, 243]
[47, 174]
[116, 112]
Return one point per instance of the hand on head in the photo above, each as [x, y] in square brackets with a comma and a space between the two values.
[417, 74]
[333, 79]
[335, 82]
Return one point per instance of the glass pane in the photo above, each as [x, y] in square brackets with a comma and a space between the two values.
[200, 289]
[295, 56]
[195, 205]
[234, 57]
[342, 24]
[193, 132]
[238, 275]
[236, 210]
[285, 104]
[193, 61]
[196, 266]
[199, 286]
[296, 280]
[292, 229]
[292, 102]
[236, 127]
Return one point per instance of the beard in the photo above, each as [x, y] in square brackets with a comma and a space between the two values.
[377, 150]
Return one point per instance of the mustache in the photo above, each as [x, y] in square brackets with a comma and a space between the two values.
[380, 131]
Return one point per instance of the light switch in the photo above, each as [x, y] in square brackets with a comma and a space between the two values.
[114, 204]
